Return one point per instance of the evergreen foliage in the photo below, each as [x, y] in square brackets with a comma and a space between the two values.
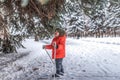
[20, 19]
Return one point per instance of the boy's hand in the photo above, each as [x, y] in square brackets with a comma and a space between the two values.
[43, 47]
[55, 46]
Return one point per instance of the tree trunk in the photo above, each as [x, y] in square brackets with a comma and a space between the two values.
[36, 38]
[115, 32]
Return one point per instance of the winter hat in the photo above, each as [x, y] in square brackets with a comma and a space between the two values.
[61, 31]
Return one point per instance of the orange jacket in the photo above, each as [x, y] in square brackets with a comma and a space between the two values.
[60, 51]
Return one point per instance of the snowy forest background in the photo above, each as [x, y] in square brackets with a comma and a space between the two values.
[92, 45]
[20, 19]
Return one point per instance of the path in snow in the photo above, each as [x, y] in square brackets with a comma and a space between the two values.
[85, 60]
[92, 61]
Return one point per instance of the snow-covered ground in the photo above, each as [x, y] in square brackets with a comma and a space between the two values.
[86, 59]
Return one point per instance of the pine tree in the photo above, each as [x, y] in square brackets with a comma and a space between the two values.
[24, 18]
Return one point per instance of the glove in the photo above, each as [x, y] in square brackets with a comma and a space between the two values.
[56, 46]
[43, 46]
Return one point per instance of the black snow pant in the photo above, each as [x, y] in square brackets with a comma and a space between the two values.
[59, 66]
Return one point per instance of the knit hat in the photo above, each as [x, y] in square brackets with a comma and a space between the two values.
[61, 31]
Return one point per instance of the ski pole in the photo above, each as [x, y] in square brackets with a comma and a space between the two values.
[49, 56]
[51, 61]
[54, 58]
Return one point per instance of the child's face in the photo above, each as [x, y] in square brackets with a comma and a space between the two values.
[56, 34]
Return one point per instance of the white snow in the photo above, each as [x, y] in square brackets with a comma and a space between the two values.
[86, 59]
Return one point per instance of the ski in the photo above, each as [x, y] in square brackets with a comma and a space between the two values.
[49, 77]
